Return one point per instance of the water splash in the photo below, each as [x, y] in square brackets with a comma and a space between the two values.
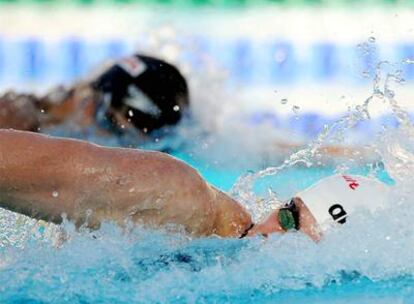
[155, 266]
[372, 256]
[386, 76]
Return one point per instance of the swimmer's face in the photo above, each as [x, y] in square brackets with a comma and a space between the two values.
[307, 223]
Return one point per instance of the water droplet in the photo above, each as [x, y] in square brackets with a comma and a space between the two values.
[296, 109]
[130, 113]
[55, 194]
[42, 111]
[378, 94]
[284, 101]
[371, 39]
[390, 94]
[176, 108]
[365, 74]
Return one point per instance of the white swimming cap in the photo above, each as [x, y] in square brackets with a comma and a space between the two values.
[332, 199]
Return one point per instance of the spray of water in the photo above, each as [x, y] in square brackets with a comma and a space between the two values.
[386, 76]
[373, 252]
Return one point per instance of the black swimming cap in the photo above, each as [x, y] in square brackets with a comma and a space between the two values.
[149, 92]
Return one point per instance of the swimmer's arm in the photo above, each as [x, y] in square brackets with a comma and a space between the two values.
[41, 176]
[44, 177]
[328, 150]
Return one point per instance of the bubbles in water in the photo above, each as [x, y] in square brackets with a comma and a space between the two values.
[385, 74]
[371, 39]
[55, 193]
[176, 108]
[144, 265]
[284, 101]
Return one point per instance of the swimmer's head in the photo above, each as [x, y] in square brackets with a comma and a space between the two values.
[146, 92]
[326, 204]
[333, 199]
[304, 221]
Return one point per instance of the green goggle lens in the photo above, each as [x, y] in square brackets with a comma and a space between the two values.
[286, 219]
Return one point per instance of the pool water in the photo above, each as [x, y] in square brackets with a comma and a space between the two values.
[369, 260]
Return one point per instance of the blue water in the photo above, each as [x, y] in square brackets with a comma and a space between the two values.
[365, 263]
[369, 260]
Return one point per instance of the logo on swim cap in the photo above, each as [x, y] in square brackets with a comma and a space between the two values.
[338, 213]
[352, 183]
[132, 65]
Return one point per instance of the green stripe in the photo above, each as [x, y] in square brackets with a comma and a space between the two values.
[222, 3]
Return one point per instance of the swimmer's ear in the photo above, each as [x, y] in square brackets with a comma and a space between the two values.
[307, 222]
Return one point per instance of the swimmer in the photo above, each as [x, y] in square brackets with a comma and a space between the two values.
[139, 94]
[45, 177]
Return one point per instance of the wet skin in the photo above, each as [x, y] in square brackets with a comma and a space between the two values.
[45, 177]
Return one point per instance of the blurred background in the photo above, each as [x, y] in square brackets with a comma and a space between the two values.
[294, 64]
[267, 79]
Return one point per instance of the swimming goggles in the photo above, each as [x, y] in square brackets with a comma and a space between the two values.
[288, 216]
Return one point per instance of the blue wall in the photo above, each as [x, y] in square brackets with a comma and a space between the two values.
[34, 61]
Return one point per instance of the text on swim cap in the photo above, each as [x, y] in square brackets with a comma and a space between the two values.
[338, 213]
[132, 65]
